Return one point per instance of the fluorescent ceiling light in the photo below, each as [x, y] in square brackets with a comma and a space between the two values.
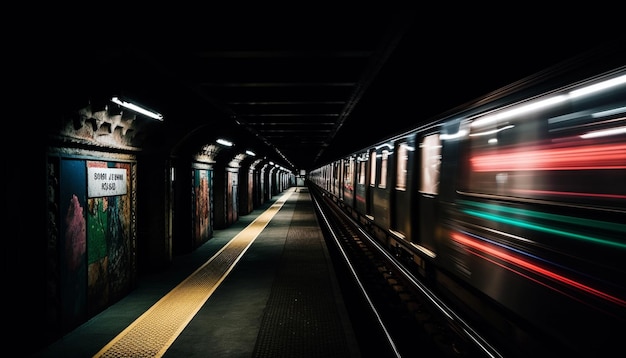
[250, 153]
[224, 142]
[137, 109]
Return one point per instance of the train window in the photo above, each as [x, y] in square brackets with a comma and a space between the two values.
[347, 173]
[431, 162]
[361, 170]
[373, 168]
[383, 169]
[401, 165]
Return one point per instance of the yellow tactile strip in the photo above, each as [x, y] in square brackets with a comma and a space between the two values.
[153, 332]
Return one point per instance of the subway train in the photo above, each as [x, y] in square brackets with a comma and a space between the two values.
[511, 207]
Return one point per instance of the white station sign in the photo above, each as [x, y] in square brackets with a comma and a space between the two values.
[106, 182]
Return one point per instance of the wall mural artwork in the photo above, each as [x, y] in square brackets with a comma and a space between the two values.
[72, 242]
[94, 266]
[201, 202]
[109, 249]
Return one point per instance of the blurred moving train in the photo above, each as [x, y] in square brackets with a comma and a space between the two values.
[512, 207]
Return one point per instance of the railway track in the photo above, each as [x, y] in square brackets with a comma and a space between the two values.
[392, 313]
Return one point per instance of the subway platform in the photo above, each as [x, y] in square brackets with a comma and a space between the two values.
[264, 287]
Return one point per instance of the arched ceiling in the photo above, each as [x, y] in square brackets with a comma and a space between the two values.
[303, 85]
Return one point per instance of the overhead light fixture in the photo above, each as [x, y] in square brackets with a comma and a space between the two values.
[137, 108]
[224, 142]
[250, 153]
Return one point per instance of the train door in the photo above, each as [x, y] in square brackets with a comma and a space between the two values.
[371, 184]
[360, 183]
[428, 179]
[382, 190]
[402, 213]
[336, 177]
[341, 180]
[348, 181]
[326, 177]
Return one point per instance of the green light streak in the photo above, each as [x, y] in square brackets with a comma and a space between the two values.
[553, 217]
[536, 227]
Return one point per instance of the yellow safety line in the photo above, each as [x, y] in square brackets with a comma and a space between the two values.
[152, 333]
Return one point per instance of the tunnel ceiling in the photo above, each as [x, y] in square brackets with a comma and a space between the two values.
[310, 84]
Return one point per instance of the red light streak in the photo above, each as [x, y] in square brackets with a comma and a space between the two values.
[607, 156]
[534, 268]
